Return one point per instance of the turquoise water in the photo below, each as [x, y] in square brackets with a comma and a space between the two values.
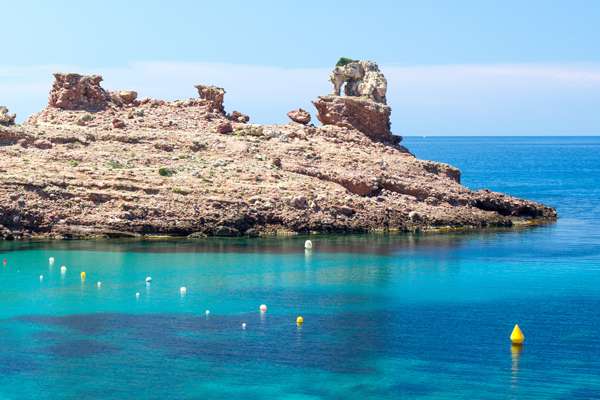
[418, 317]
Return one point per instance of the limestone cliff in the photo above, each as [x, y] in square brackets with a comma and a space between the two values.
[107, 163]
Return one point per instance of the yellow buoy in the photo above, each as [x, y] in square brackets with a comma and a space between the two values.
[299, 320]
[83, 275]
[517, 337]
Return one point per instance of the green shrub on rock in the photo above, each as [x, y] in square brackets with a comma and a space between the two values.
[114, 164]
[344, 61]
[164, 171]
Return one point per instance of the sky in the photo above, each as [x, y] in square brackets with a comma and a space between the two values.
[453, 67]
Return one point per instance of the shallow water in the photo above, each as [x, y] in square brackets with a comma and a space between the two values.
[424, 317]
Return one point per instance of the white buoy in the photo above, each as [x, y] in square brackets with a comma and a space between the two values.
[183, 290]
[308, 245]
[41, 278]
[51, 260]
[99, 284]
[137, 295]
[243, 325]
[63, 269]
[263, 308]
[207, 312]
[148, 279]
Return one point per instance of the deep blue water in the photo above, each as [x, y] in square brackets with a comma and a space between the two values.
[416, 317]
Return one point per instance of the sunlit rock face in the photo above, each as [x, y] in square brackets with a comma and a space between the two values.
[213, 95]
[367, 116]
[72, 91]
[98, 163]
[359, 79]
[363, 105]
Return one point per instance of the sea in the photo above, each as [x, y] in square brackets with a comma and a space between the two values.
[420, 316]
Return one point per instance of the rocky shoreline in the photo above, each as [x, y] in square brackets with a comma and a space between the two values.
[98, 163]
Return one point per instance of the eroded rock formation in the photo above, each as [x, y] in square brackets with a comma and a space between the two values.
[360, 79]
[213, 95]
[6, 119]
[78, 92]
[363, 105]
[178, 168]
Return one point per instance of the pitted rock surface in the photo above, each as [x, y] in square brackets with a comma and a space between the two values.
[78, 92]
[213, 95]
[359, 79]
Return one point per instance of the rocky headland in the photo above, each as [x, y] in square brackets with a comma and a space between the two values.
[99, 163]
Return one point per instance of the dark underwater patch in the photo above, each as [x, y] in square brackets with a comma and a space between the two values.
[78, 348]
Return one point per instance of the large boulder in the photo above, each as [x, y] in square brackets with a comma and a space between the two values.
[237, 116]
[123, 97]
[300, 116]
[368, 116]
[213, 95]
[78, 92]
[6, 119]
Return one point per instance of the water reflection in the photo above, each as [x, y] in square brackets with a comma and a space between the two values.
[515, 355]
[382, 244]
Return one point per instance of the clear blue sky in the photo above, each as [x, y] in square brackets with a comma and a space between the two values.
[425, 41]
